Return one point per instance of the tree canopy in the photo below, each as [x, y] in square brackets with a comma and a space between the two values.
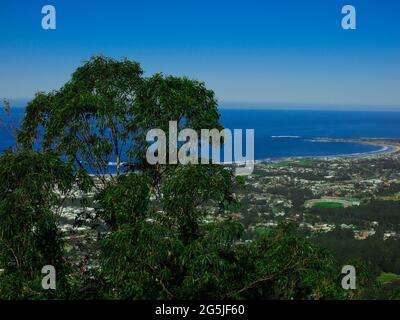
[29, 235]
[87, 120]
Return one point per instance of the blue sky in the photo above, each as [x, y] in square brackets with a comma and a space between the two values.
[287, 53]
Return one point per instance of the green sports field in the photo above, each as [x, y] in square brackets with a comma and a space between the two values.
[328, 205]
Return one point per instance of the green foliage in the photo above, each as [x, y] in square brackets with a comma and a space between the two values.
[29, 237]
[167, 98]
[384, 212]
[388, 277]
[163, 99]
[384, 255]
[124, 201]
[280, 265]
[297, 195]
[188, 189]
[387, 291]
[148, 261]
[134, 261]
[366, 279]
[87, 119]
[175, 255]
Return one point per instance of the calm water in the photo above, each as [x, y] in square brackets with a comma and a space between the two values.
[280, 133]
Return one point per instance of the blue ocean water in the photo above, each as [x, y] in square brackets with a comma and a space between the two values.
[287, 133]
[8, 125]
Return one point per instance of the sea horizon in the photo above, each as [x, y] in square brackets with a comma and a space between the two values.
[19, 103]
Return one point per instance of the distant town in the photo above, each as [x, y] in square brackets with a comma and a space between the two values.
[311, 193]
[298, 189]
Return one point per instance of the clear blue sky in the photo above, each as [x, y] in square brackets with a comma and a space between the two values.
[269, 53]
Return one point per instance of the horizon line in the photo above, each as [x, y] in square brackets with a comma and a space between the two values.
[284, 106]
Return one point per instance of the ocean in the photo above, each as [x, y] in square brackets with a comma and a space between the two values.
[294, 133]
[288, 133]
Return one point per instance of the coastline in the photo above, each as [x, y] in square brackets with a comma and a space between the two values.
[388, 147]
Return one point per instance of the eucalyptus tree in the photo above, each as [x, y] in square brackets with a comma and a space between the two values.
[191, 192]
[127, 201]
[167, 98]
[104, 112]
[31, 186]
[86, 121]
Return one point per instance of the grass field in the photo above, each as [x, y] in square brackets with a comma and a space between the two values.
[301, 162]
[280, 164]
[328, 205]
[387, 277]
[304, 162]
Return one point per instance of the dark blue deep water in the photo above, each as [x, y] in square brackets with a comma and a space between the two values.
[281, 133]
[286, 133]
